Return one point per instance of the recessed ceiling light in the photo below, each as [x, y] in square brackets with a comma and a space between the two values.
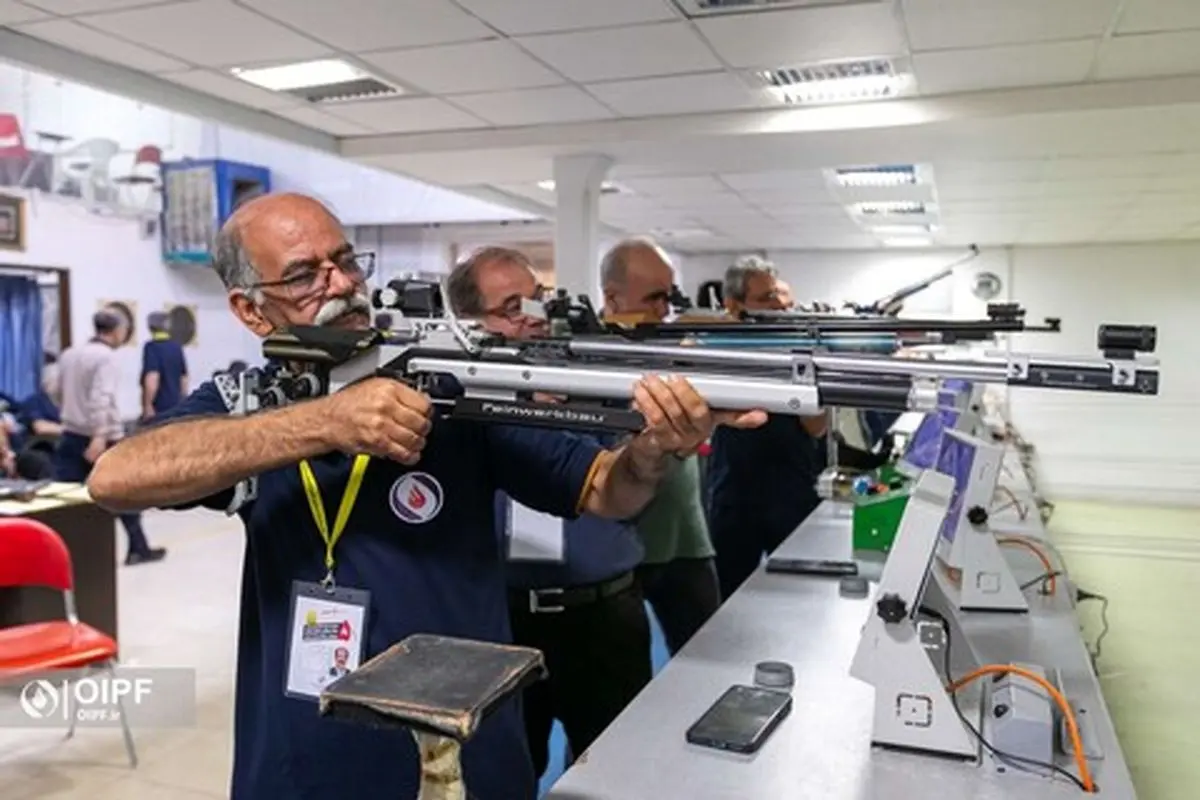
[607, 187]
[890, 208]
[315, 81]
[901, 230]
[840, 82]
[899, 175]
[908, 241]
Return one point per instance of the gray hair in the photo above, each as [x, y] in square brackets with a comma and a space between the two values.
[614, 266]
[230, 259]
[463, 286]
[739, 274]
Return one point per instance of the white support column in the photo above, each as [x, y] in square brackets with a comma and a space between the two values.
[577, 181]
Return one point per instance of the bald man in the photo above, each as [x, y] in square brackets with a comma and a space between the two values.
[418, 552]
[678, 575]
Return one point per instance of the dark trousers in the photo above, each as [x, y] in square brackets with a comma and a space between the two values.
[683, 593]
[598, 657]
[740, 550]
[70, 465]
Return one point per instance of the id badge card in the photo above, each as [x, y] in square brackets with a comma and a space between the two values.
[326, 637]
[534, 536]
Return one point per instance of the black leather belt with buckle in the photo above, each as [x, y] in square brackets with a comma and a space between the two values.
[554, 601]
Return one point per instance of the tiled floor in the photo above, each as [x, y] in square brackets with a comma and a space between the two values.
[182, 612]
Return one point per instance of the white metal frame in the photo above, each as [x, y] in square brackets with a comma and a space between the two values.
[984, 581]
[912, 707]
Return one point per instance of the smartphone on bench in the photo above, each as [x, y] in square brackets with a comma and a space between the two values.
[741, 719]
[812, 566]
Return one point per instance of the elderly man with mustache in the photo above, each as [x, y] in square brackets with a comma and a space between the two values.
[418, 552]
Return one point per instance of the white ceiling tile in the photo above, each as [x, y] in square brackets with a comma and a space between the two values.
[1150, 55]
[615, 53]
[534, 106]
[791, 180]
[76, 37]
[211, 33]
[232, 89]
[360, 25]
[946, 24]
[681, 94]
[1151, 16]
[517, 17]
[1047, 63]
[471, 67]
[11, 12]
[405, 116]
[66, 8]
[1123, 166]
[315, 118]
[677, 187]
[803, 36]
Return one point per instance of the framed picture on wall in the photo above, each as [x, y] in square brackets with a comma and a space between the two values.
[12, 222]
[183, 323]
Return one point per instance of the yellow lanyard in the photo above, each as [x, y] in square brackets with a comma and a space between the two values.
[317, 506]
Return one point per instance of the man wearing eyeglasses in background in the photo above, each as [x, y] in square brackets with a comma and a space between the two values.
[573, 592]
[419, 551]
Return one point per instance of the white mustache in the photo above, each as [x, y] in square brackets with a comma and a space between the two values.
[339, 307]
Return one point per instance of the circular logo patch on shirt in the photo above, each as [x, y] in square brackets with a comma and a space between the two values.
[416, 497]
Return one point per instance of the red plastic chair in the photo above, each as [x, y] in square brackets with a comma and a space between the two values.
[32, 554]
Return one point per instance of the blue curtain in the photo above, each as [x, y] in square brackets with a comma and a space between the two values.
[20, 336]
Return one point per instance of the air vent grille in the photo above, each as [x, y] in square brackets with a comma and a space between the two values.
[366, 88]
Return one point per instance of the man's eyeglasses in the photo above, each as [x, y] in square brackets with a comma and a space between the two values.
[512, 309]
[309, 282]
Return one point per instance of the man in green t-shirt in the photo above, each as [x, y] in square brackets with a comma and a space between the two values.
[678, 575]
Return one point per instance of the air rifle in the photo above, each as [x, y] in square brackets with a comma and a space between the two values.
[472, 374]
[890, 305]
[578, 317]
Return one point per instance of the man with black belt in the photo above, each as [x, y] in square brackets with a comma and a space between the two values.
[677, 575]
[572, 590]
[89, 375]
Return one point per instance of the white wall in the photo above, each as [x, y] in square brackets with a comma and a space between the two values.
[360, 195]
[1091, 446]
[109, 259]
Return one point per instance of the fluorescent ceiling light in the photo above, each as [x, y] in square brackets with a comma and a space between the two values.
[607, 187]
[876, 176]
[908, 241]
[902, 230]
[842, 82]
[304, 75]
[889, 208]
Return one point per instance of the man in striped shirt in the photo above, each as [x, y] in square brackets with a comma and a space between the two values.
[89, 377]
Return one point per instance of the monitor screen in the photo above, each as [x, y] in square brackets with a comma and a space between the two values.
[955, 458]
[922, 449]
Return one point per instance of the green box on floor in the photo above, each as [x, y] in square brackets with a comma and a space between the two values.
[877, 517]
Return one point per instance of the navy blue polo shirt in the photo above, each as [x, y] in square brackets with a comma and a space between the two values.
[594, 549]
[433, 566]
[37, 407]
[165, 356]
[762, 481]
